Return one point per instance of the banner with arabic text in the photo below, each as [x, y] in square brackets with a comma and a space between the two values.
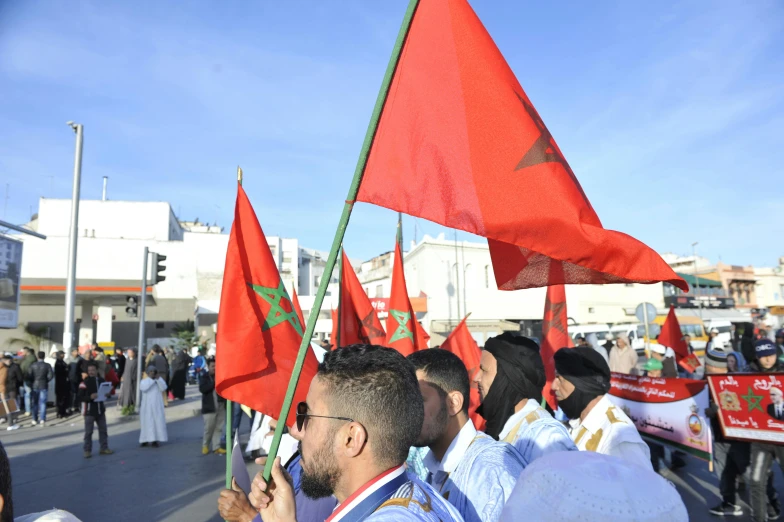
[751, 405]
[666, 411]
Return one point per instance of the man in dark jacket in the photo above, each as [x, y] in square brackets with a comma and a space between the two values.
[763, 454]
[670, 369]
[94, 412]
[62, 388]
[39, 374]
[27, 361]
[119, 362]
[13, 381]
[75, 378]
[180, 374]
[213, 410]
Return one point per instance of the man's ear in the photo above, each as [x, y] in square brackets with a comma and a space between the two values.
[354, 439]
[2, 505]
[454, 403]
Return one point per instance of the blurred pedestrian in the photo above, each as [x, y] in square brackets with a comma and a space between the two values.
[653, 368]
[39, 374]
[27, 361]
[623, 359]
[608, 343]
[129, 381]
[94, 412]
[162, 365]
[62, 388]
[119, 362]
[669, 367]
[180, 374]
[13, 381]
[100, 359]
[75, 379]
[152, 417]
[213, 410]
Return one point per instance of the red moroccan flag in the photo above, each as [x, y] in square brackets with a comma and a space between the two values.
[333, 339]
[554, 336]
[359, 320]
[401, 321]
[461, 343]
[297, 307]
[423, 338]
[672, 336]
[259, 331]
[460, 143]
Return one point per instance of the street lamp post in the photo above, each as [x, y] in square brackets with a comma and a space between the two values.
[70, 285]
[696, 277]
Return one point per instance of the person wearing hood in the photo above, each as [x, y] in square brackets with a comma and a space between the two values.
[180, 373]
[151, 414]
[593, 342]
[762, 453]
[475, 473]
[670, 369]
[582, 381]
[510, 380]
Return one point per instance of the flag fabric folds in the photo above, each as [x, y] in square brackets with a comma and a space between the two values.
[461, 343]
[401, 321]
[672, 336]
[259, 329]
[359, 322]
[460, 143]
[555, 336]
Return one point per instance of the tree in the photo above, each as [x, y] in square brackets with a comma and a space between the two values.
[185, 335]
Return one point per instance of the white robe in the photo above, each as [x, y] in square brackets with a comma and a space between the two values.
[153, 416]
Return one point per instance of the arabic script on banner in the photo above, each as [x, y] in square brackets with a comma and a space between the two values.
[751, 405]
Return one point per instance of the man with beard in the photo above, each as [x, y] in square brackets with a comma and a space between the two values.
[475, 473]
[582, 380]
[363, 411]
[510, 382]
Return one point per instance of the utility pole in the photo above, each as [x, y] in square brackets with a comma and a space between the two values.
[457, 281]
[140, 346]
[70, 285]
[696, 277]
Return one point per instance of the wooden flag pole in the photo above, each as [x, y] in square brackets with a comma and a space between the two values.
[340, 232]
[229, 416]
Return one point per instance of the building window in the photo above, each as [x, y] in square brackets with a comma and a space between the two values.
[468, 276]
[316, 281]
[590, 310]
[379, 291]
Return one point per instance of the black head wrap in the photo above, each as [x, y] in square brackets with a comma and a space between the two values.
[587, 370]
[520, 375]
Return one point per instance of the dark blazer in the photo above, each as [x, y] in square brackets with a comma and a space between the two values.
[772, 412]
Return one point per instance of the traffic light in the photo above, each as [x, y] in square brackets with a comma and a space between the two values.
[158, 268]
[131, 305]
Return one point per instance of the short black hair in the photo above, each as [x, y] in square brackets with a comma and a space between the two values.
[8, 356]
[445, 370]
[41, 356]
[7, 514]
[92, 364]
[377, 387]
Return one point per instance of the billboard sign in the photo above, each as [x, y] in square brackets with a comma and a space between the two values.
[10, 279]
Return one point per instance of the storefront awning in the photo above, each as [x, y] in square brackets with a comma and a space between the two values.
[703, 283]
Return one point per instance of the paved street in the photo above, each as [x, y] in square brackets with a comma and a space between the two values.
[175, 482]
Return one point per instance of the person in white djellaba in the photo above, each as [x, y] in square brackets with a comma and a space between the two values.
[152, 414]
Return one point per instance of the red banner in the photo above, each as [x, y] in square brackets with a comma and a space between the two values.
[751, 405]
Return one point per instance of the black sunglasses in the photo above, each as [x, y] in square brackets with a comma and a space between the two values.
[303, 416]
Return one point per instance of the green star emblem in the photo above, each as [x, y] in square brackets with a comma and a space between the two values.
[754, 401]
[277, 315]
[402, 331]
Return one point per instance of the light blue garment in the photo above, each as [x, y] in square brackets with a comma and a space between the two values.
[483, 480]
[416, 500]
[415, 465]
[535, 433]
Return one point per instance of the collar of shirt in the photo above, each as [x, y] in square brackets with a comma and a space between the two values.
[515, 419]
[595, 418]
[366, 491]
[454, 454]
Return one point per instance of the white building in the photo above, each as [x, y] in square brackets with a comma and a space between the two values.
[458, 279]
[112, 237]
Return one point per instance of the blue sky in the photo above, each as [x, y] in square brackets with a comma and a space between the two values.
[671, 114]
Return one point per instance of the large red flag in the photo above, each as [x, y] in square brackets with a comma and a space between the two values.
[554, 336]
[460, 143]
[401, 321]
[359, 321]
[295, 304]
[461, 343]
[259, 331]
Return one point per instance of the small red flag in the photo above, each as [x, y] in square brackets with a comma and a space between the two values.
[401, 321]
[359, 321]
[459, 143]
[423, 338]
[672, 336]
[333, 339]
[555, 336]
[461, 343]
[259, 331]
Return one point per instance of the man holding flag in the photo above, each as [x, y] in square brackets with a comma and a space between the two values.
[510, 379]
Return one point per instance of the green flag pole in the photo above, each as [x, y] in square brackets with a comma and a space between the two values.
[340, 232]
[229, 434]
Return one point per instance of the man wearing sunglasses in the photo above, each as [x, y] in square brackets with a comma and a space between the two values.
[474, 472]
[363, 412]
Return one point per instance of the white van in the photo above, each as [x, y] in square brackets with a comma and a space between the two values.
[582, 330]
[724, 328]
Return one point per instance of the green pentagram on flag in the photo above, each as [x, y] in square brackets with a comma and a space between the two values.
[754, 401]
[275, 297]
[402, 331]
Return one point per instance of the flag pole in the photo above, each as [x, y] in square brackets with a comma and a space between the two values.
[229, 434]
[340, 232]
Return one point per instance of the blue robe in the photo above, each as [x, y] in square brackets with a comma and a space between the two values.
[484, 479]
[535, 433]
[416, 500]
